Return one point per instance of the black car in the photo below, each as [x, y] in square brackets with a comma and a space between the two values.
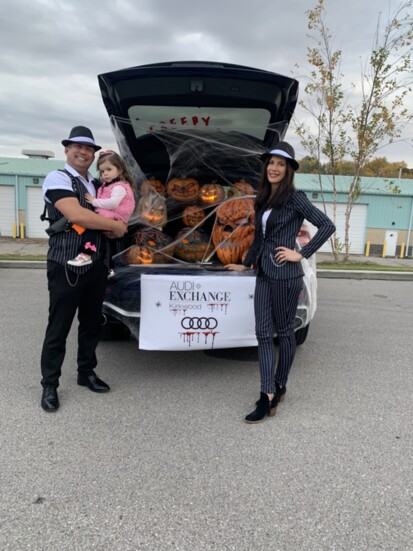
[192, 134]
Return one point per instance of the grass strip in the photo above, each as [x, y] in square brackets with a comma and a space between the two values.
[362, 266]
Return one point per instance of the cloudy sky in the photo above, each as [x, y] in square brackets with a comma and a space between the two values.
[53, 50]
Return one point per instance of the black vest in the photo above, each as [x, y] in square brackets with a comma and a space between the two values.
[66, 244]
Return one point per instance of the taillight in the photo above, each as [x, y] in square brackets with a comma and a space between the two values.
[303, 236]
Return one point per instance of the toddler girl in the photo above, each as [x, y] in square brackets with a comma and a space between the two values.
[115, 199]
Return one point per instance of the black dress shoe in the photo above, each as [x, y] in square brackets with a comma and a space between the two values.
[93, 383]
[50, 400]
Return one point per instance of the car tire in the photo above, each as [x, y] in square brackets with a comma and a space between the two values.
[114, 330]
[301, 335]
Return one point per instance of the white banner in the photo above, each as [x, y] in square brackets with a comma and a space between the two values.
[196, 312]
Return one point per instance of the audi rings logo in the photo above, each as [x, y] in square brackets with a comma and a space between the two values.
[199, 323]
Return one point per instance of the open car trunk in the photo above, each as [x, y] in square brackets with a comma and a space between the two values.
[184, 126]
[191, 134]
[246, 108]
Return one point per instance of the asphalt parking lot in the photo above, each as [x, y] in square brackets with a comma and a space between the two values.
[164, 461]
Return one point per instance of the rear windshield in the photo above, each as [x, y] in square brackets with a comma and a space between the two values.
[155, 118]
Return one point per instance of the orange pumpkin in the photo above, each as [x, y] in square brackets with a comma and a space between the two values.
[240, 188]
[157, 242]
[182, 189]
[194, 246]
[154, 184]
[233, 230]
[151, 209]
[212, 193]
[138, 255]
[193, 216]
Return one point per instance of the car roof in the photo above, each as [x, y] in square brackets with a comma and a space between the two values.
[148, 101]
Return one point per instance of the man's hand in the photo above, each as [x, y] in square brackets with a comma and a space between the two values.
[119, 230]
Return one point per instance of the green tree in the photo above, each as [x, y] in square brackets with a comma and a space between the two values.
[381, 168]
[348, 130]
[309, 165]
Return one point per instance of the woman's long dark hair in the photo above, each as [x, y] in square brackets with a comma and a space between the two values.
[284, 190]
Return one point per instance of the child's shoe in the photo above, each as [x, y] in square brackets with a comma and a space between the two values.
[82, 259]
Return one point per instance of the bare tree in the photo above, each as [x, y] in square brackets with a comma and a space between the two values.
[355, 125]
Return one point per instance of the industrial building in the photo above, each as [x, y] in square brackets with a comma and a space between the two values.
[381, 215]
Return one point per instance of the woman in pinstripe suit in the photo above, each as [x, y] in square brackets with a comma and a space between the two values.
[279, 214]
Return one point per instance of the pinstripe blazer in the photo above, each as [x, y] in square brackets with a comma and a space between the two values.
[281, 230]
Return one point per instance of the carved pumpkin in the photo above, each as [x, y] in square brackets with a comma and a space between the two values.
[157, 242]
[152, 183]
[211, 194]
[193, 216]
[194, 246]
[139, 255]
[240, 188]
[233, 230]
[183, 189]
[151, 210]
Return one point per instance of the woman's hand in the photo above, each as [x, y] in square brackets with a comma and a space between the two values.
[236, 267]
[287, 255]
[89, 198]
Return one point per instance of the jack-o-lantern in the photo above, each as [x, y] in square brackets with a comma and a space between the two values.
[233, 230]
[151, 210]
[193, 216]
[192, 246]
[182, 189]
[152, 183]
[211, 194]
[240, 188]
[139, 255]
[157, 242]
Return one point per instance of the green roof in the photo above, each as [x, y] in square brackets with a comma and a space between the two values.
[28, 167]
[307, 182]
[311, 182]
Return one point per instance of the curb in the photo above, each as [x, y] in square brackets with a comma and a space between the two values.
[22, 264]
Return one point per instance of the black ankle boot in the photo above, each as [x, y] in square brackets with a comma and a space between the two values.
[280, 392]
[279, 396]
[263, 408]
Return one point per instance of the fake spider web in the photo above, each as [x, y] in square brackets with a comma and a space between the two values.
[206, 156]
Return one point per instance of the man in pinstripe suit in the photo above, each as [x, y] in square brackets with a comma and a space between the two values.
[280, 210]
[73, 288]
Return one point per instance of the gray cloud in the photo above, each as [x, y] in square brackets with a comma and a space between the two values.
[53, 50]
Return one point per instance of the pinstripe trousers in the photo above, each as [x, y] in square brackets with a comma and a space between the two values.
[275, 305]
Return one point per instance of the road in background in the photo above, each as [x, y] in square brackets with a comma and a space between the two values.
[39, 247]
[164, 461]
